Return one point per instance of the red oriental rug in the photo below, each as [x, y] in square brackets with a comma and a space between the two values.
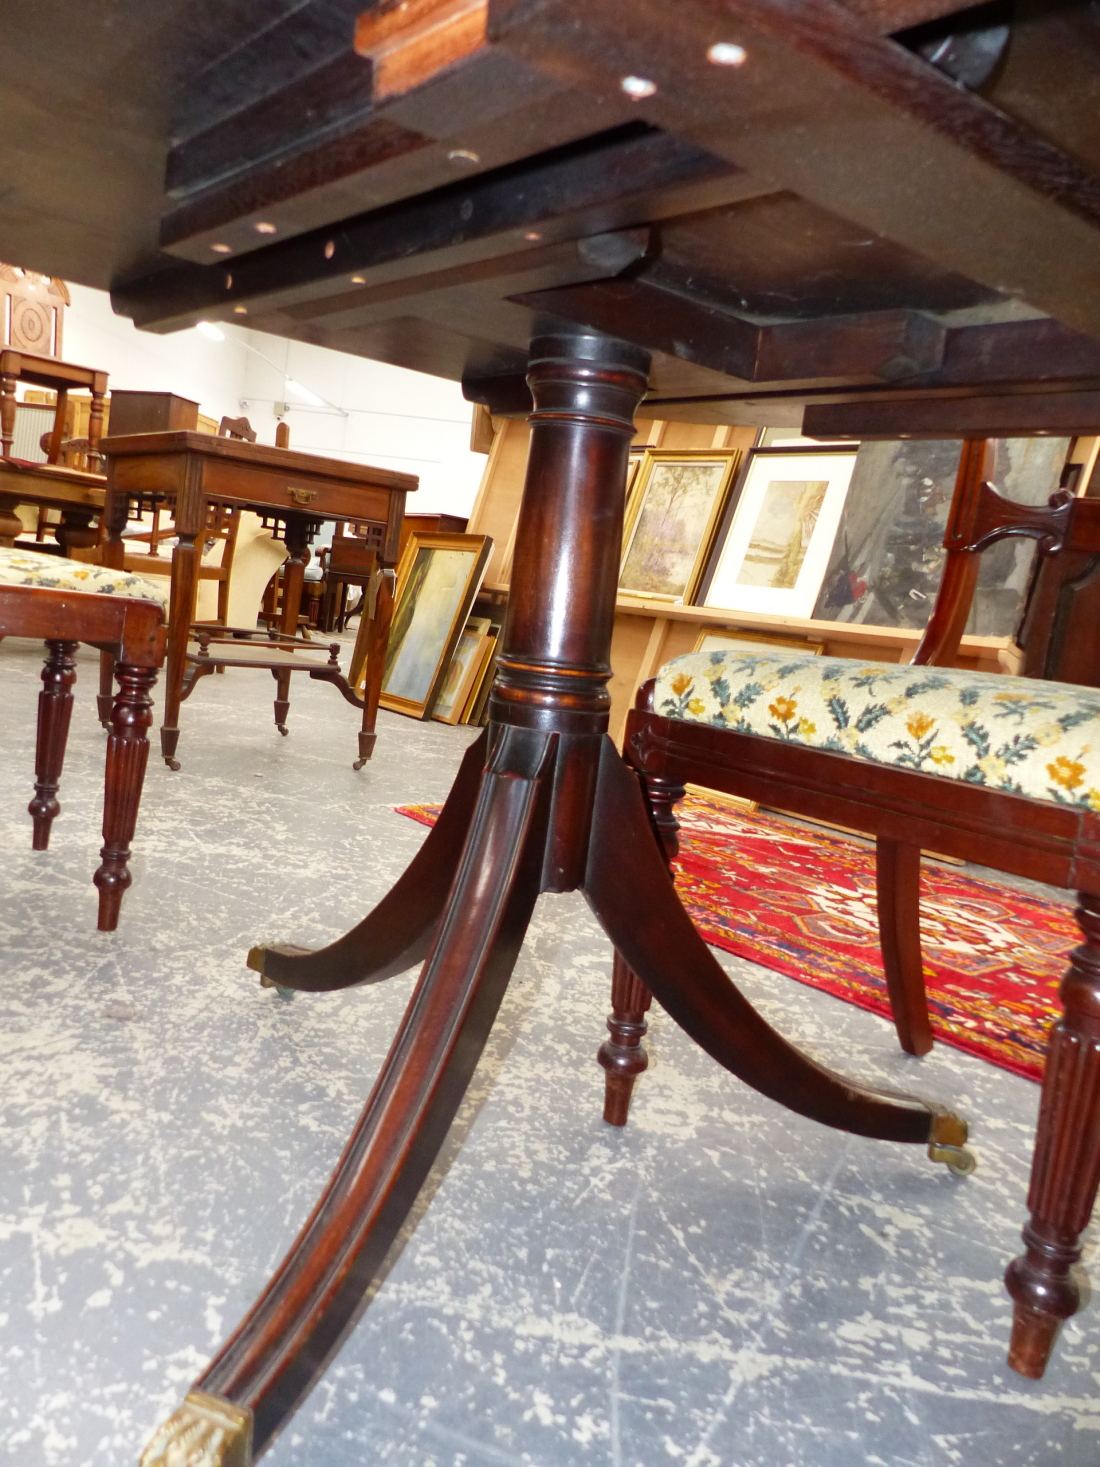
[802, 902]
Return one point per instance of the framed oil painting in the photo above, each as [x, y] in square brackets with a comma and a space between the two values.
[463, 672]
[672, 513]
[437, 580]
[775, 553]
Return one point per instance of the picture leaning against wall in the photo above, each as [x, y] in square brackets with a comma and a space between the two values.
[673, 509]
[781, 534]
[437, 580]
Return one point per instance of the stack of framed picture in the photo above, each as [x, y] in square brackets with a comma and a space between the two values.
[741, 532]
[465, 693]
[438, 580]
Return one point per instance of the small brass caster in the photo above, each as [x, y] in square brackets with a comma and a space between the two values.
[173, 764]
[946, 1143]
[957, 1159]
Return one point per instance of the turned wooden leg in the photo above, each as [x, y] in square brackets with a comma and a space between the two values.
[294, 571]
[1065, 1171]
[127, 756]
[898, 890]
[76, 532]
[624, 1056]
[11, 526]
[112, 552]
[181, 613]
[7, 414]
[377, 644]
[55, 709]
[95, 429]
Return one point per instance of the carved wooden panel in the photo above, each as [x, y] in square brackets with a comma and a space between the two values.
[33, 311]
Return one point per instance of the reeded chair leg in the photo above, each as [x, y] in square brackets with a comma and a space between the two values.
[55, 710]
[127, 756]
[1065, 1171]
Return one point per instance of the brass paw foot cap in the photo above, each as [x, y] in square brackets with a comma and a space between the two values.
[204, 1432]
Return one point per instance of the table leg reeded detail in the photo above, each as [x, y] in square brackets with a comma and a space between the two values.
[542, 802]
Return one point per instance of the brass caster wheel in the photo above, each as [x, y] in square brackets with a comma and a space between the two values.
[173, 764]
[957, 1159]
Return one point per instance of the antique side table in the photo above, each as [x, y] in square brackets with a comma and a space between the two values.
[189, 472]
[79, 496]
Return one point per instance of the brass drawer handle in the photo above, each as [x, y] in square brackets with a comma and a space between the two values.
[302, 496]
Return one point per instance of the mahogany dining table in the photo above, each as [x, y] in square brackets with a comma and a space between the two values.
[851, 218]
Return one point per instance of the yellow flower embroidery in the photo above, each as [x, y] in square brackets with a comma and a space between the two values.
[920, 724]
[1012, 698]
[992, 767]
[895, 705]
[805, 728]
[696, 707]
[1047, 734]
[680, 683]
[783, 709]
[1066, 772]
[1093, 798]
[941, 755]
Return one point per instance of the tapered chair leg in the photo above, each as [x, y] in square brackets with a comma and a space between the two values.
[55, 711]
[281, 1349]
[282, 699]
[106, 696]
[398, 933]
[1065, 1171]
[127, 757]
[898, 890]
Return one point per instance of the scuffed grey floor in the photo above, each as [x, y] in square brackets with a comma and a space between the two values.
[721, 1285]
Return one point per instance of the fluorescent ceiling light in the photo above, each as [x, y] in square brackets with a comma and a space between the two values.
[209, 329]
[303, 394]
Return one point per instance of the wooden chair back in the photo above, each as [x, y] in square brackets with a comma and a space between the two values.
[1059, 631]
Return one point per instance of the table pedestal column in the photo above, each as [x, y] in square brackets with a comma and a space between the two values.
[542, 803]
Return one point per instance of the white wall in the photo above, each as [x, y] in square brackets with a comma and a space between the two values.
[380, 415]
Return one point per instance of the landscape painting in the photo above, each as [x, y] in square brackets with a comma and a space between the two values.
[676, 503]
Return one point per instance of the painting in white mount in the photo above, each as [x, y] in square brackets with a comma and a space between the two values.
[778, 545]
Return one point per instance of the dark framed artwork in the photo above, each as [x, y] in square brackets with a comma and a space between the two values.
[887, 557]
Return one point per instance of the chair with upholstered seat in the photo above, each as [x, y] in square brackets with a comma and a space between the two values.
[66, 602]
[1000, 770]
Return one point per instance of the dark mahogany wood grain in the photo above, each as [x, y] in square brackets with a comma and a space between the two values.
[542, 803]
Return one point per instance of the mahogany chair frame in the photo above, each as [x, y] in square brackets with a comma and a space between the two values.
[542, 802]
[907, 811]
[132, 633]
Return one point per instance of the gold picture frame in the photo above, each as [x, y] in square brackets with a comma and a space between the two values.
[676, 503]
[437, 580]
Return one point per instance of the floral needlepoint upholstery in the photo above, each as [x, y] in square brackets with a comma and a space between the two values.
[1040, 739]
[53, 572]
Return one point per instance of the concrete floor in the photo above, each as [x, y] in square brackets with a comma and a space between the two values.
[721, 1283]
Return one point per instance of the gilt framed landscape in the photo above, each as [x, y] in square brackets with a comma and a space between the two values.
[674, 507]
[437, 580]
[774, 556]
